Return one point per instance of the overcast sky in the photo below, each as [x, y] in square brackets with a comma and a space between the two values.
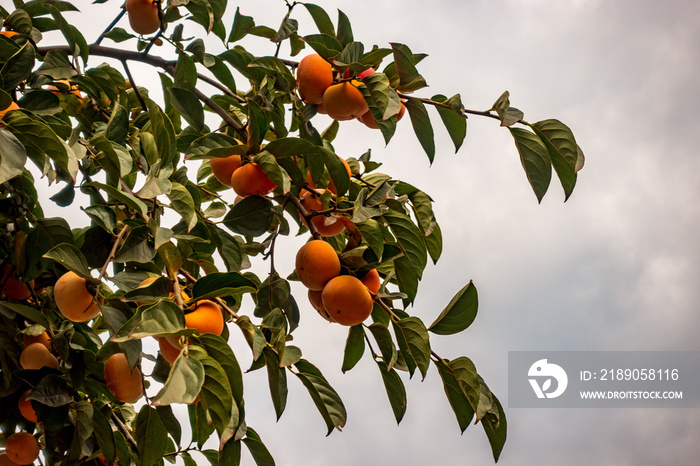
[614, 268]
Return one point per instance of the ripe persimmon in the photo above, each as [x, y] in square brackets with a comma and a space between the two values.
[314, 76]
[168, 350]
[36, 356]
[73, 298]
[26, 409]
[12, 288]
[12, 106]
[344, 101]
[316, 264]
[372, 281]
[223, 168]
[206, 318]
[8, 34]
[326, 225]
[347, 300]
[368, 119]
[143, 16]
[44, 339]
[331, 185]
[126, 385]
[22, 448]
[6, 461]
[250, 179]
[317, 303]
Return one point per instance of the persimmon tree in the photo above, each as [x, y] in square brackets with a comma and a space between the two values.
[167, 251]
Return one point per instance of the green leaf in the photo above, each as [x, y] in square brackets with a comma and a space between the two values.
[183, 384]
[222, 284]
[496, 426]
[372, 235]
[181, 200]
[27, 312]
[395, 390]
[409, 78]
[454, 120]
[13, 156]
[434, 243]
[459, 313]
[325, 398]
[127, 199]
[277, 378]
[241, 25]
[508, 115]
[18, 67]
[344, 33]
[215, 396]
[321, 18]
[455, 395]
[416, 336]
[137, 247]
[71, 258]
[465, 374]
[252, 216]
[535, 159]
[187, 105]
[161, 318]
[354, 347]
[104, 435]
[422, 126]
[214, 145]
[257, 448]
[222, 353]
[385, 343]
[151, 436]
[325, 45]
[38, 139]
[563, 151]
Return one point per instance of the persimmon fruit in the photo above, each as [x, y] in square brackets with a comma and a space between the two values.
[26, 409]
[314, 76]
[22, 448]
[168, 350]
[223, 168]
[6, 461]
[347, 300]
[12, 287]
[9, 34]
[372, 281]
[206, 318]
[36, 356]
[250, 179]
[326, 225]
[343, 101]
[126, 385]
[12, 106]
[143, 16]
[316, 264]
[43, 338]
[73, 298]
[316, 300]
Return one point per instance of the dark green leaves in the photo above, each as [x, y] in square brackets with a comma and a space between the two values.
[324, 397]
[18, 67]
[13, 156]
[535, 159]
[151, 436]
[562, 149]
[422, 126]
[409, 78]
[252, 216]
[459, 313]
[496, 426]
[183, 384]
[395, 390]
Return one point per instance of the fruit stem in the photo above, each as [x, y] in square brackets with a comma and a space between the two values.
[304, 213]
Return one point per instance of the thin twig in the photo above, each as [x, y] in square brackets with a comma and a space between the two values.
[111, 25]
[133, 85]
[124, 430]
[304, 213]
[112, 252]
